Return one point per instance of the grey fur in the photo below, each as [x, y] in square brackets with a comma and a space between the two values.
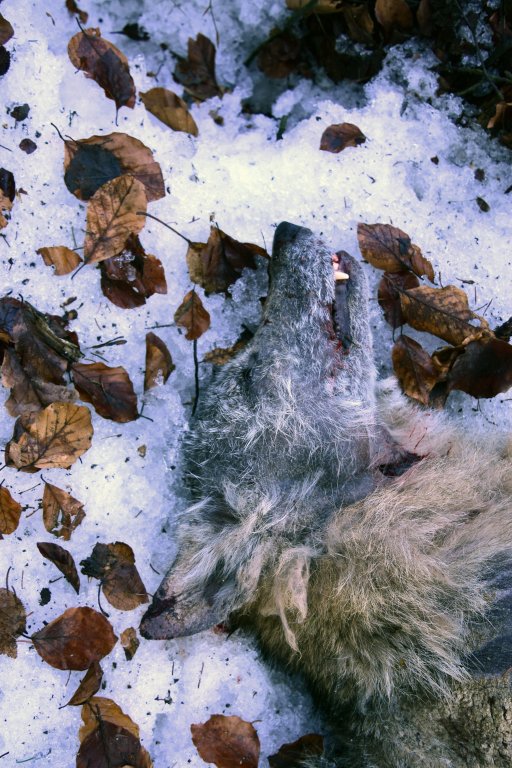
[392, 595]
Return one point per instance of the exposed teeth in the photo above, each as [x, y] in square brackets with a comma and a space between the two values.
[338, 275]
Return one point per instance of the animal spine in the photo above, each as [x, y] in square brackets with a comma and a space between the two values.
[390, 594]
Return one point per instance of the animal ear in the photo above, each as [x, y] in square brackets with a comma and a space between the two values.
[180, 607]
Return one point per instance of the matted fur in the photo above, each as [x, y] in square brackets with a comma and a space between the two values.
[380, 590]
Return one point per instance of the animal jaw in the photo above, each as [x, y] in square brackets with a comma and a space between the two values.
[374, 586]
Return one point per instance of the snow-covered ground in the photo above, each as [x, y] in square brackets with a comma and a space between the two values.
[237, 174]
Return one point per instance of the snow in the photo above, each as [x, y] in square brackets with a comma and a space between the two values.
[239, 176]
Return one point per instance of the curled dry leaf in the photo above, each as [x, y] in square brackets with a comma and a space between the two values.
[228, 742]
[61, 512]
[192, 315]
[484, 369]
[169, 109]
[12, 622]
[389, 248]
[109, 738]
[414, 369]
[104, 63]
[10, 512]
[390, 286]
[197, 72]
[114, 565]
[130, 642]
[109, 390]
[112, 216]
[443, 312]
[293, 755]
[89, 685]
[159, 364]
[133, 276]
[219, 263]
[61, 258]
[7, 195]
[338, 137]
[63, 560]
[54, 437]
[90, 163]
[75, 639]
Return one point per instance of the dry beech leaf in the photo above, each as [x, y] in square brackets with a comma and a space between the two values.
[388, 294]
[12, 622]
[63, 259]
[62, 560]
[169, 109]
[393, 14]
[228, 742]
[293, 755]
[389, 248]
[132, 276]
[196, 73]
[61, 512]
[280, 56]
[75, 639]
[192, 315]
[112, 216]
[338, 137]
[105, 64]
[483, 369]
[222, 355]
[90, 163]
[54, 437]
[10, 512]
[114, 565]
[414, 369]
[109, 390]
[7, 195]
[443, 312]
[109, 738]
[6, 30]
[100, 710]
[89, 685]
[130, 642]
[159, 365]
[217, 264]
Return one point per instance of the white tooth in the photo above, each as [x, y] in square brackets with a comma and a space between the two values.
[338, 275]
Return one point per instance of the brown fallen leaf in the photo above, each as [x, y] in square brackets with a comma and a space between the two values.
[388, 295]
[360, 23]
[61, 512]
[414, 369]
[169, 109]
[62, 560]
[100, 710]
[293, 755]
[104, 63]
[89, 685]
[219, 263]
[130, 642]
[7, 196]
[192, 315]
[54, 437]
[338, 137]
[112, 216]
[393, 14]
[228, 742]
[114, 565]
[90, 163]
[130, 278]
[6, 30]
[61, 258]
[389, 248]
[12, 622]
[29, 393]
[197, 72]
[10, 512]
[73, 8]
[443, 312]
[109, 738]
[221, 356]
[109, 390]
[280, 56]
[75, 639]
[484, 369]
[159, 364]
[28, 146]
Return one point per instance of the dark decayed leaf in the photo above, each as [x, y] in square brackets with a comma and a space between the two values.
[393, 15]
[10, 512]
[414, 369]
[159, 365]
[6, 30]
[104, 63]
[192, 315]
[28, 146]
[75, 639]
[29, 393]
[338, 137]
[61, 512]
[390, 286]
[133, 276]
[12, 622]
[280, 56]
[109, 390]
[484, 369]
[228, 742]
[5, 63]
[114, 565]
[72, 7]
[109, 738]
[197, 72]
[63, 560]
[89, 685]
[7, 193]
[293, 755]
